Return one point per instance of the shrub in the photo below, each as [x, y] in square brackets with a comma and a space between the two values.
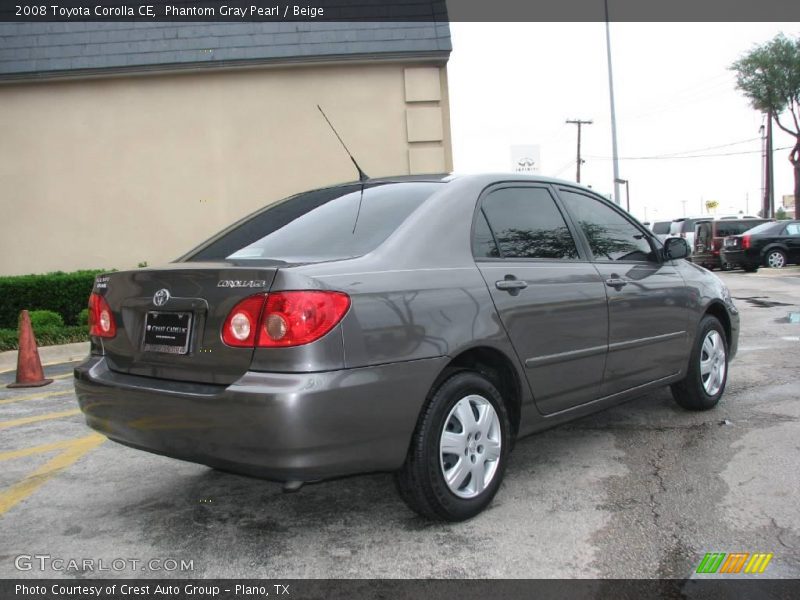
[64, 293]
[42, 319]
[47, 336]
[83, 317]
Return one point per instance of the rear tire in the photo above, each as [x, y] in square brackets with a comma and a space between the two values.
[459, 450]
[707, 375]
[775, 259]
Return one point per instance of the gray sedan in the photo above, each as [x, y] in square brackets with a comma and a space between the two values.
[416, 325]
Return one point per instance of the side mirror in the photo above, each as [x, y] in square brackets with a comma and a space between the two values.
[675, 248]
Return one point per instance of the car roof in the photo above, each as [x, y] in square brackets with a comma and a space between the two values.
[484, 178]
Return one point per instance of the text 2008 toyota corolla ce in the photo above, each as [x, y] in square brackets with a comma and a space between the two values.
[416, 325]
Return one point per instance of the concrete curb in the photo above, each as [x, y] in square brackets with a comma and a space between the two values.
[50, 355]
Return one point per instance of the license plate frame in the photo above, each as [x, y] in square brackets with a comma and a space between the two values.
[175, 336]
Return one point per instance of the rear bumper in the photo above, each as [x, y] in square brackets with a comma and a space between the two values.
[281, 426]
[707, 260]
[743, 258]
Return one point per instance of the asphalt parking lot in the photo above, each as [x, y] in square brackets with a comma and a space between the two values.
[642, 490]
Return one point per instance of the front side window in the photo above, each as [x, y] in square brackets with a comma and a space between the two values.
[525, 223]
[611, 236]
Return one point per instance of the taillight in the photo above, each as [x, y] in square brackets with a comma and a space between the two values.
[101, 319]
[241, 325]
[283, 319]
[745, 242]
[296, 318]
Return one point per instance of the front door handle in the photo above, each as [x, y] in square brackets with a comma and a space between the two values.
[616, 282]
[511, 284]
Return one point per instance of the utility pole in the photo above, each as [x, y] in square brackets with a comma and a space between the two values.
[684, 207]
[769, 195]
[614, 155]
[579, 123]
[626, 183]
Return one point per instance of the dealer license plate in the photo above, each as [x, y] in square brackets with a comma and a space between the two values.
[167, 332]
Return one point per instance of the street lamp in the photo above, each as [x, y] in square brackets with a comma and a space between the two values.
[627, 191]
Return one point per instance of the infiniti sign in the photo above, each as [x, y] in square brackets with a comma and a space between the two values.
[161, 297]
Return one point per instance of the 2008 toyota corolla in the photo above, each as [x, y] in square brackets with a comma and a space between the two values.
[416, 325]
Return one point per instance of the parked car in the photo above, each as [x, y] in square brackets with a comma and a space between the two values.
[684, 228]
[661, 229]
[709, 237]
[416, 325]
[774, 244]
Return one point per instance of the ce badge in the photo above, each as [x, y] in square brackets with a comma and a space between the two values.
[161, 297]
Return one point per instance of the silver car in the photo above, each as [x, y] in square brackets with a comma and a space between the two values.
[415, 325]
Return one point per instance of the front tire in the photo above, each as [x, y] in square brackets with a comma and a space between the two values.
[459, 450]
[707, 375]
[775, 259]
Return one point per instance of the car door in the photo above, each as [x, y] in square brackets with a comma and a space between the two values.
[792, 238]
[549, 297]
[647, 298]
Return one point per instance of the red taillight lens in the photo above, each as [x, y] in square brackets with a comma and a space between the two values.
[284, 319]
[296, 318]
[101, 319]
[745, 242]
[241, 325]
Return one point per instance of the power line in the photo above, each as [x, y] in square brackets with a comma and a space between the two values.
[687, 156]
[669, 154]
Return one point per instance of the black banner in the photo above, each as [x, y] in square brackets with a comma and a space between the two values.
[398, 10]
[357, 589]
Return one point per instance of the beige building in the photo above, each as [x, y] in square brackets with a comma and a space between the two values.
[124, 143]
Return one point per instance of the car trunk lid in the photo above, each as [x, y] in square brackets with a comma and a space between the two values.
[169, 320]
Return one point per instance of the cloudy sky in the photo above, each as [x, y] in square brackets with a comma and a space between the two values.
[516, 83]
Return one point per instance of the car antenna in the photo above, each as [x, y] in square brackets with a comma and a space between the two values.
[361, 175]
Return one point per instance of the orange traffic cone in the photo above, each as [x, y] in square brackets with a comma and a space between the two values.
[29, 367]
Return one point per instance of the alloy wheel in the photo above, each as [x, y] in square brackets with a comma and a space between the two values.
[776, 260]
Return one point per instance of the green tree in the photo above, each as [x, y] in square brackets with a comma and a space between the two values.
[769, 76]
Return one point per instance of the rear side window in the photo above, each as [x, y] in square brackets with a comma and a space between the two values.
[610, 235]
[661, 228]
[327, 224]
[524, 222]
[793, 229]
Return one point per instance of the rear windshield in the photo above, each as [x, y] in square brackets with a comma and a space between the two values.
[771, 227]
[726, 228]
[661, 227]
[328, 224]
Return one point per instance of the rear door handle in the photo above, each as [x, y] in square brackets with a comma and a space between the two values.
[616, 283]
[512, 286]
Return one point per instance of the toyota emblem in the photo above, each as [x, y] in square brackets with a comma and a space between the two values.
[161, 297]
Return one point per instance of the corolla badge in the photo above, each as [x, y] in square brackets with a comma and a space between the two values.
[160, 297]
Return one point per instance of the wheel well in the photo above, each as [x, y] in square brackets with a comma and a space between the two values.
[719, 311]
[769, 249]
[497, 368]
